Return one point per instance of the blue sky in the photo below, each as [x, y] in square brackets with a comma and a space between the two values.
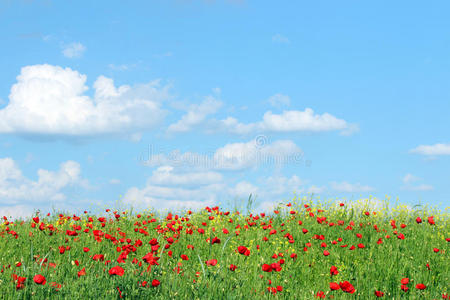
[191, 103]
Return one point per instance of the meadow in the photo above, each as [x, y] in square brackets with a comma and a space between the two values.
[300, 250]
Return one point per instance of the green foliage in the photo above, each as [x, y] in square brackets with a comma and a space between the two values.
[378, 266]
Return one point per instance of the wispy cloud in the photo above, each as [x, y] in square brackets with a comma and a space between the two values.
[73, 50]
[346, 187]
[122, 67]
[279, 100]
[289, 121]
[432, 150]
[278, 38]
[408, 178]
[408, 184]
[420, 187]
[196, 114]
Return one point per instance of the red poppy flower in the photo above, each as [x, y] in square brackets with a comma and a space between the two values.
[421, 286]
[404, 281]
[436, 250]
[276, 267]
[86, 249]
[243, 250]
[20, 283]
[418, 220]
[334, 286]
[211, 262]
[98, 257]
[379, 294]
[150, 259]
[334, 270]
[117, 270]
[184, 257]
[404, 288]
[320, 295]
[266, 268]
[39, 279]
[326, 253]
[215, 240]
[347, 287]
[232, 267]
[155, 282]
[82, 272]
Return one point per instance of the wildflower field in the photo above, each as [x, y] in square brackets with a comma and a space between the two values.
[300, 250]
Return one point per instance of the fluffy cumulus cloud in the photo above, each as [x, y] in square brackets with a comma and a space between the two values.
[232, 156]
[15, 188]
[73, 50]
[345, 187]
[432, 150]
[196, 114]
[51, 100]
[289, 121]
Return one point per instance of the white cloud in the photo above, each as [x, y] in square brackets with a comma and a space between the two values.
[408, 181]
[346, 187]
[290, 121]
[173, 197]
[233, 156]
[316, 189]
[196, 114]
[50, 100]
[74, 50]
[122, 67]
[280, 185]
[408, 178]
[176, 190]
[243, 189]
[232, 125]
[432, 150]
[16, 211]
[165, 175]
[420, 187]
[280, 100]
[302, 121]
[114, 181]
[14, 187]
[278, 38]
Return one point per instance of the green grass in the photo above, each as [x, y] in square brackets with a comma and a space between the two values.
[376, 267]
